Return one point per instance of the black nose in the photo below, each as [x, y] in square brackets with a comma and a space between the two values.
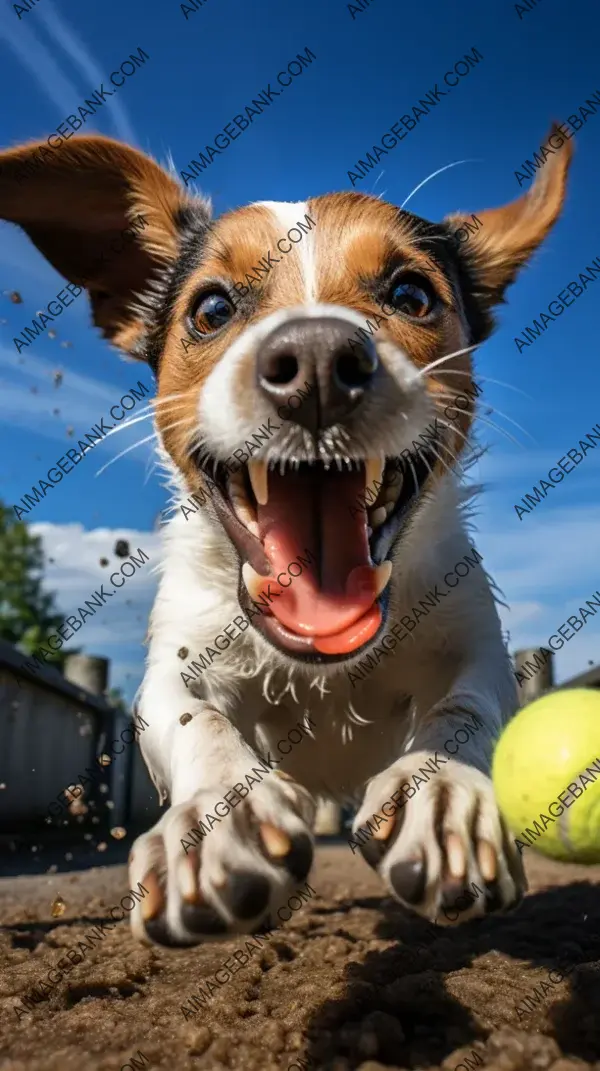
[320, 353]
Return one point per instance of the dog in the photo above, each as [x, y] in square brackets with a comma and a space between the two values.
[277, 409]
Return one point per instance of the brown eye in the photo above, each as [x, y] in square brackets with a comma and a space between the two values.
[413, 296]
[211, 312]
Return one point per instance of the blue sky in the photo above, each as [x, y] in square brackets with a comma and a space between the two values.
[369, 71]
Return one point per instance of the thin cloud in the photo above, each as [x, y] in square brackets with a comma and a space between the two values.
[76, 50]
[21, 39]
[56, 86]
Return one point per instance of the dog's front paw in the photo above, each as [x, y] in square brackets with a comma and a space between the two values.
[232, 874]
[435, 835]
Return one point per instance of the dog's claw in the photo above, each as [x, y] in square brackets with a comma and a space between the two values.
[448, 851]
[232, 880]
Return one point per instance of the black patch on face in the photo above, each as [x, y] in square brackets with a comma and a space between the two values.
[194, 224]
[437, 241]
[465, 280]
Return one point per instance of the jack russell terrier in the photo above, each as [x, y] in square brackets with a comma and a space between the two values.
[286, 348]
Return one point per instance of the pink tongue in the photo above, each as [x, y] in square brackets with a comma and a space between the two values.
[308, 520]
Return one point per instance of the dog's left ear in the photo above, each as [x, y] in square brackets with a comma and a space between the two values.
[77, 203]
[508, 236]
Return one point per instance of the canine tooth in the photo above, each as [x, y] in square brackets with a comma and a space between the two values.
[246, 515]
[374, 467]
[257, 470]
[252, 580]
[384, 572]
[242, 507]
[389, 507]
[377, 517]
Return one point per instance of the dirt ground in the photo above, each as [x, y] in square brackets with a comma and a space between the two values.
[341, 986]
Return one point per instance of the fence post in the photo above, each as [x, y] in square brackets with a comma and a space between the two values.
[535, 684]
[328, 822]
[87, 671]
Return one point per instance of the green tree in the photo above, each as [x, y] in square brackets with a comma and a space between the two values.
[27, 612]
[114, 696]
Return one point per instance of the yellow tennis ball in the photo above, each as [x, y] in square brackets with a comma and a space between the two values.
[546, 774]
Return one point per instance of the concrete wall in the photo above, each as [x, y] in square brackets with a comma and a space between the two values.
[50, 731]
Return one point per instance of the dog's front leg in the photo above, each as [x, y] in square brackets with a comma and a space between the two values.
[235, 840]
[429, 823]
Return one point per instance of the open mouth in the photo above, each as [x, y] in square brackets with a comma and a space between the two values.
[314, 540]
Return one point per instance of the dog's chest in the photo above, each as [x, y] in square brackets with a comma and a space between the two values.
[332, 742]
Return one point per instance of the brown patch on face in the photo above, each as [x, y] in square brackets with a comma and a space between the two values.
[233, 249]
[238, 244]
[357, 238]
[355, 242]
[182, 375]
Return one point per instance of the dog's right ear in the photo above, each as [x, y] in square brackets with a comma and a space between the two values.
[76, 201]
[509, 235]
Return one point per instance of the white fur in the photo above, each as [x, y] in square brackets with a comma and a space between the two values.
[227, 418]
[287, 215]
[368, 737]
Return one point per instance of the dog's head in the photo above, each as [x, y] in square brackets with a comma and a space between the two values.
[310, 358]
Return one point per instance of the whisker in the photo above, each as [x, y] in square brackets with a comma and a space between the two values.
[464, 437]
[492, 409]
[513, 422]
[414, 476]
[194, 444]
[134, 420]
[502, 431]
[123, 452]
[442, 442]
[433, 175]
[486, 379]
[439, 457]
[458, 461]
[155, 402]
[134, 445]
[190, 421]
[440, 360]
[170, 397]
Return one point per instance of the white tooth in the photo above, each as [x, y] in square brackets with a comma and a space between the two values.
[384, 572]
[242, 508]
[389, 507]
[252, 580]
[374, 467]
[377, 517]
[257, 470]
[246, 515]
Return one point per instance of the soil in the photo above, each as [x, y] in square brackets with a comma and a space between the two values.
[351, 981]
